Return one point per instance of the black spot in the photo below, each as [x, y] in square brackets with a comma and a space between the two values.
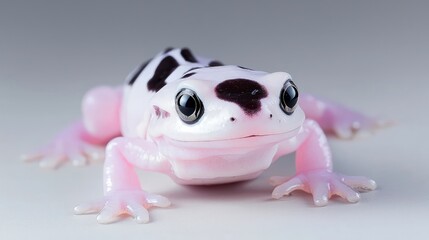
[137, 72]
[245, 68]
[192, 69]
[232, 119]
[188, 75]
[246, 93]
[168, 50]
[188, 56]
[215, 64]
[164, 69]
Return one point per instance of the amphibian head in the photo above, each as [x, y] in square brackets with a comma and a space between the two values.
[215, 105]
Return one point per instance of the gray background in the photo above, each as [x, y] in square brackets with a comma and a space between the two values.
[370, 55]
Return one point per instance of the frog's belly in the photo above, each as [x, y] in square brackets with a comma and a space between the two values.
[223, 168]
[213, 181]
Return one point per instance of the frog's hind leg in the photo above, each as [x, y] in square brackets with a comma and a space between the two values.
[101, 109]
[338, 120]
[84, 139]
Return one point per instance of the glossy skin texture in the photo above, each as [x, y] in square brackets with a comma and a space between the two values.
[239, 132]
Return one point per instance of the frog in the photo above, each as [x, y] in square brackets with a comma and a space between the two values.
[202, 122]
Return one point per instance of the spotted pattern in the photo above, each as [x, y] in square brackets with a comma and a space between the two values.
[188, 74]
[244, 92]
[187, 55]
[245, 68]
[215, 64]
[192, 69]
[167, 66]
[164, 69]
[137, 72]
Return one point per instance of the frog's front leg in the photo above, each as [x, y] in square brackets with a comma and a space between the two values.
[314, 171]
[122, 191]
[337, 119]
[85, 139]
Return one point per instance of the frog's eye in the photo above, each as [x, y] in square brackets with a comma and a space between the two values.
[189, 106]
[288, 97]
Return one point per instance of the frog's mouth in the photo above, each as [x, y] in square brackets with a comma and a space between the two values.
[249, 141]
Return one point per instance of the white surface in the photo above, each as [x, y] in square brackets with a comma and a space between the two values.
[371, 56]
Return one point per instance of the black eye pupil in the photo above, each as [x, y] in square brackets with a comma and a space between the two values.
[187, 105]
[290, 97]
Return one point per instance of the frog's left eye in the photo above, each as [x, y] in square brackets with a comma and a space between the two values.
[189, 106]
[289, 97]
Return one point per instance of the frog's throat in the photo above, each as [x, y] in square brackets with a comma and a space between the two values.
[240, 142]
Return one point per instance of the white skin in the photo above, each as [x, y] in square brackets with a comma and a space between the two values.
[224, 145]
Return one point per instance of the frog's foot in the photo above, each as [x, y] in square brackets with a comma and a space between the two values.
[55, 155]
[323, 184]
[134, 203]
[68, 146]
[345, 123]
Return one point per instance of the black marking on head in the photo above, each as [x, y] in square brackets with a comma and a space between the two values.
[245, 68]
[192, 69]
[188, 74]
[137, 72]
[187, 55]
[215, 64]
[244, 92]
[164, 69]
[168, 50]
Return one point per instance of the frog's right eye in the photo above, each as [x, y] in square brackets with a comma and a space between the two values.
[189, 106]
[289, 97]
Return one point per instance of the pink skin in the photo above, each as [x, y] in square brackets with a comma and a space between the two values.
[122, 190]
[336, 119]
[84, 140]
[314, 171]
[123, 194]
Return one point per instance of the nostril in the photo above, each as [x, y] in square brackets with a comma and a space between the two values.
[157, 111]
[160, 113]
[232, 119]
[271, 115]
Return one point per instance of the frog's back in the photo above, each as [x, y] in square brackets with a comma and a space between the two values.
[147, 79]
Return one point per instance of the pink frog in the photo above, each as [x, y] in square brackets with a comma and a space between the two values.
[202, 122]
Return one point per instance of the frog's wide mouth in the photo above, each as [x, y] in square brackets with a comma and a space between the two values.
[239, 142]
